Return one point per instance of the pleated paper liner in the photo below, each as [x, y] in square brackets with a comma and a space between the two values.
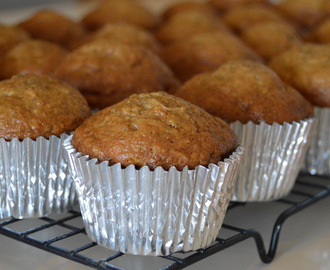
[35, 178]
[317, 161]
[139, 211]
[274, 156]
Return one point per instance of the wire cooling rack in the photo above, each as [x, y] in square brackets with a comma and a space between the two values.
[55, 233]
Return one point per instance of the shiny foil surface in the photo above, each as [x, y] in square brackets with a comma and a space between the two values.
[35, 178]
[317, 161]
[152, 212]
[274, 155]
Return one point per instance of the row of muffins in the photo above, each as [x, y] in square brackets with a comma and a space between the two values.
[158, 129]
[191, 38]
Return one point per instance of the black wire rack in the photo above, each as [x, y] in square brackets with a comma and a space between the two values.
[307, 191]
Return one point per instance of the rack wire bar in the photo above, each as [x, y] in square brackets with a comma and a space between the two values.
[308, 198]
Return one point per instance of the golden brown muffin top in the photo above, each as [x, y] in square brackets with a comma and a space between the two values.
[246, 91]
[184, 6]
[306, 68]
[10, 36]
[205, 53]
[115, 68]
[305, 12]
[187, 24]
[155, 129]
[35, 105]
[32, 56]
[120, 11]
[126, 33]
[54, 27]
[243, 17]
[271, 38]
[225, 5]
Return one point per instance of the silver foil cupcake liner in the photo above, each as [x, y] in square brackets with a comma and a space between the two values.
[317, 161]
[35, 178]
[274, 155]
[139, 211]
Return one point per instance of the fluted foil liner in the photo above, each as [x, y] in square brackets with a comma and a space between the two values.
[158, 212]
[317, 161]
[274, 155]
[35, 179]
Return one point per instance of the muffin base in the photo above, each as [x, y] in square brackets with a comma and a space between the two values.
[35, 178]
[139, 211]
[274, 156]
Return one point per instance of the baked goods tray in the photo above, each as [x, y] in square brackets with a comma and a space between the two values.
[307, 191]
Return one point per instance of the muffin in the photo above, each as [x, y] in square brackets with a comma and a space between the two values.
[126, 33]
[307, 68]
[304, 12]
[10, 36]
[32, 56]
[244, 17]
[52, 26]
[321, 33]
[283, 37]
[184, 6]
[246, 91]
[156, 138]
[155, 130]
[115, 70]
[111, 11]
[187, 24]
[37, 112]
[271, 120]
[226, 5]
[36, 105]
[204, 53]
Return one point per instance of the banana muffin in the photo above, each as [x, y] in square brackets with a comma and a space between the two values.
[306, 68]
[205, 53]
[119, 11]
[126, 33]
[246, 91]
[187, 24]
[54, 27]
[244, 17]
[321, 32]
[179, 7]
[283, 37]
[155, 129]
[226, 5]
[10, 36]
[112, 70]
[32, 56]
[307, 13]
[37, 105]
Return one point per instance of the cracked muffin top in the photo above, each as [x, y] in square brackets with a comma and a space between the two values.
[54, 27]
[155, 129]
[37, 105]
[307, 68]
[246, 91]
[32, 56]
[115, 70]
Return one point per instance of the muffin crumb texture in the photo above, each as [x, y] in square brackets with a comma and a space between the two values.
[155, 129]
[37, 105]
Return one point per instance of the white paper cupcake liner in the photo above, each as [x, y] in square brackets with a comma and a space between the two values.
[274, 156]
[317, 161]
[35, 178]
[152, 212]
